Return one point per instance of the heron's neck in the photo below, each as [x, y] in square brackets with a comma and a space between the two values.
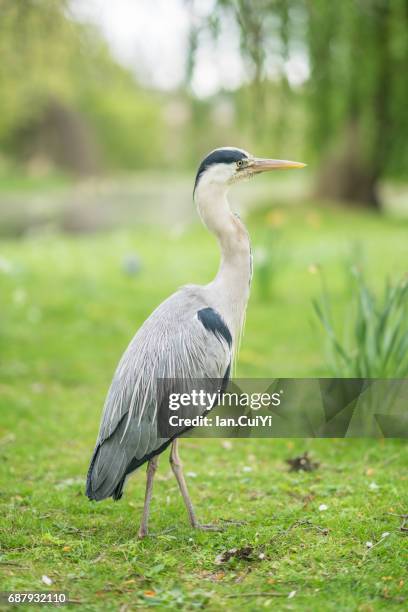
[232, 281]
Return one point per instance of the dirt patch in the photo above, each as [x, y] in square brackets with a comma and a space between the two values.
[303, 463]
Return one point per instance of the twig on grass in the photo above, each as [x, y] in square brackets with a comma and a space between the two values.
[164, 532]
[404, 518]
[372, 546]
[233, 522]
[306, 523]
[256, 594]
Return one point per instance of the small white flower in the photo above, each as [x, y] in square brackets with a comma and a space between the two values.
[226, 444]
[46, 580]
[322, 507]
[247, 468]
[291, 594]
[192, 474]
[373, 486]
[369, 544]
[385, 534]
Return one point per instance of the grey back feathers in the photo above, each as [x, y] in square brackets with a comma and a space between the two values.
[183, 338]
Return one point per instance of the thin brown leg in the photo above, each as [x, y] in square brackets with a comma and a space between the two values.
[151, 470]
[177, 468]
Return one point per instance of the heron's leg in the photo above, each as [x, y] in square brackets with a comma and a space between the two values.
[151, 470]
[177, 468]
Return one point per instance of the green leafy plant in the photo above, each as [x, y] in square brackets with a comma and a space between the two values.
[374, 342]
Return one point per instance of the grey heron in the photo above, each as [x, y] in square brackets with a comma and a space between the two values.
[194, 334]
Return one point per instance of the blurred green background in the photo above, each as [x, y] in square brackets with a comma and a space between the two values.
[88, 90]
[105, 113]
[106, 110]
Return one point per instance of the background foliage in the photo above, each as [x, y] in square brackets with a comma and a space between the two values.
[60, 86]
[355, 96]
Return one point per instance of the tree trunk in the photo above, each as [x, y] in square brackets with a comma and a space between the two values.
[346, 177]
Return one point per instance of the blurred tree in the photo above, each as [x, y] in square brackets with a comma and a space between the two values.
[35, 43]
[357, 51]
[64, 99]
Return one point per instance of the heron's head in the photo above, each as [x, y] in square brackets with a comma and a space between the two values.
[228, 165]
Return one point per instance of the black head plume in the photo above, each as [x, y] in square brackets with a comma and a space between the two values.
[224, 155]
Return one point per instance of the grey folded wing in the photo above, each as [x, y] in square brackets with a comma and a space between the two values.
[183, 339]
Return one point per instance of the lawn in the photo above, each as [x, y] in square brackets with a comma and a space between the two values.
[70, 304]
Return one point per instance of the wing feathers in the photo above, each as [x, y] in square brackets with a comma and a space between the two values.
[183, 338]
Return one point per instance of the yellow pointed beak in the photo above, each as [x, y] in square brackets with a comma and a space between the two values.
[263, 165]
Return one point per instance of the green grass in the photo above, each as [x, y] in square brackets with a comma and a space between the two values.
[67, 312]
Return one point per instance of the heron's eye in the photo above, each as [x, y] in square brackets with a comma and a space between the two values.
[240, 163]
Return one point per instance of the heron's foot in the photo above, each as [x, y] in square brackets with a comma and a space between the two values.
[142, 533]
[209, 527]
